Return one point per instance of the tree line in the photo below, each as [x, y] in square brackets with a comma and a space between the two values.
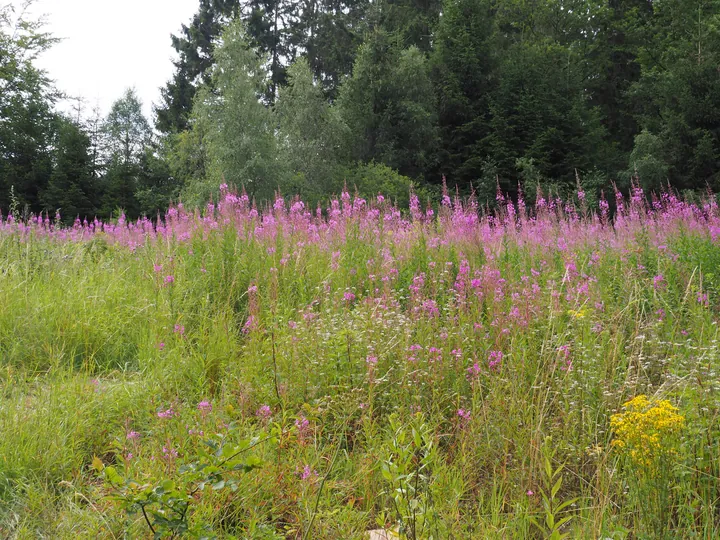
[306, 96]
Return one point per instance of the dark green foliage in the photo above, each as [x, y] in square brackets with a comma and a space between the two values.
[413, 21]
[194, 47]
[156, 188]
[71, 188]
[678, 95]
[389, 107]
[330, 32]
[27, 120]
[539, 112]
[127, 137]
[118, 189]
[311, 94]
[463, 62]
[613, 58]
[269, 25]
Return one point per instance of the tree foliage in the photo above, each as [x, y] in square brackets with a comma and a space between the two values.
[389, 106]
[240, 128]
[305, 96]
[27, 119]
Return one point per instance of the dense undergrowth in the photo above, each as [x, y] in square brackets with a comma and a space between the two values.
[287, 374]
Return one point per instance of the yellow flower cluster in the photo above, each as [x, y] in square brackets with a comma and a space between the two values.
[577, 314]
[645, 430]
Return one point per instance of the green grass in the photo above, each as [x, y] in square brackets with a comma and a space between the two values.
[89, 352]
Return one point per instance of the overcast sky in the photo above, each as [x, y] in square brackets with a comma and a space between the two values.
[110, 45]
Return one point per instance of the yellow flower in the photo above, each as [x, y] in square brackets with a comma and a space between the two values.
[645, 430]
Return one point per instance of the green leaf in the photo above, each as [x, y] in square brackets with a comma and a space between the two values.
[556, 488]
[566, 504]
[168, 485]
[97, 464]
[112, 476]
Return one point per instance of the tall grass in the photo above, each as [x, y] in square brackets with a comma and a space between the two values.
[429, 372]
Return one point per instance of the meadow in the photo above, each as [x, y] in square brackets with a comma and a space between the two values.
[538, 371]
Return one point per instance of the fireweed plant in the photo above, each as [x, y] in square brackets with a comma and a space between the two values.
[441, 372]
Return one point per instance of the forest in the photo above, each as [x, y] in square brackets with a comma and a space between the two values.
[304, 97]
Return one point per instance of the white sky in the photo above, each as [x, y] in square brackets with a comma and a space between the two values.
[111, 45]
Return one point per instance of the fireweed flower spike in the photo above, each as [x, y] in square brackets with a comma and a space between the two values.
[169, 413]
[205, 407]
[264, 412]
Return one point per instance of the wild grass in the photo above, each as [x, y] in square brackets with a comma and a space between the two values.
[432, 374]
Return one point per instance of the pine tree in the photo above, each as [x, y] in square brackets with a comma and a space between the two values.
[389, 107]
[27, 119]
[127, 134]
[678, 93]
[71, 188]
[194, 47]
[464, 61]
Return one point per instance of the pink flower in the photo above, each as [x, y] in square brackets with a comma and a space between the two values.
[169, 453]
[494, 359]
[169, 280]
[659, 282]
[205, 407]
[166, 414]
[431, 308]
[349, 297]
[161, 345]
[179, 329]
[473, 371]
[530, 493]
[249, 325]
[306, 472]
[264, 412]
[158, 268]
[302, 424]
[371, 361]
[132, 435]
[464, 416]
